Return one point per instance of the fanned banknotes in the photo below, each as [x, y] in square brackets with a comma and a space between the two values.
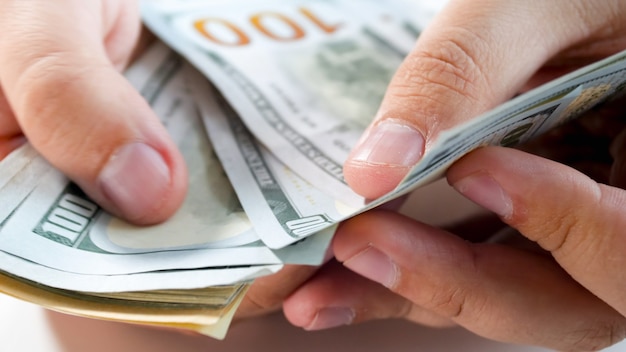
[305, 77]
[60, 250]
[284, 89]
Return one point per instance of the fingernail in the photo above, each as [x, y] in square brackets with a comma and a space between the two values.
[331, 317]
[483, 190]
[374, 265]
[135, 179]
[391, 143]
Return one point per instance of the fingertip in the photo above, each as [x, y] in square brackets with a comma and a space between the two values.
[325, 301]
[297, 313]
[384, 156]
[299, 308]
[373, 181]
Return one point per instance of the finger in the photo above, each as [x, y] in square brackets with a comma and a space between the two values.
[124, 38]
[9, 144]
[8, 124]
[473, 56]
[268, 293]
[498, 292]
[80, 113]
[578, 220]
[336, 296]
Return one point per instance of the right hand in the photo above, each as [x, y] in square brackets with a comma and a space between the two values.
[61, 88]
[474, 56]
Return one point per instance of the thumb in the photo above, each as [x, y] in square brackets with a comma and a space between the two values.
[80, 113]
[473, 56]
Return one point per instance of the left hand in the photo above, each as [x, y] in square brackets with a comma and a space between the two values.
[267, 293]
[61, 87]
[566, 292]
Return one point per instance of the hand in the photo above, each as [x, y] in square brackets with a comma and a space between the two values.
[560, 286]
[267, 294]
[564, 290]
[474, 56]
[60, 64]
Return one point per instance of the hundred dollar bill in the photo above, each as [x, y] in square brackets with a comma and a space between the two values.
[285, 207]
[305, 76]
[202, 297]
[21, 170]
[206, 310]
[56, 226]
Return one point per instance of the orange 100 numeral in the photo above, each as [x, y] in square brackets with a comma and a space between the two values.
[257, 21]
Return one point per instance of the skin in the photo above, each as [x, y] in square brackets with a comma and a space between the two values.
[464, 64]
[562, 288]
[63, 92]
[559, 281]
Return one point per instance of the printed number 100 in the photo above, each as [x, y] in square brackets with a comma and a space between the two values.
[209, 28]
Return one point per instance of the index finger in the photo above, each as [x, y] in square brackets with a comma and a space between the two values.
[578, 220]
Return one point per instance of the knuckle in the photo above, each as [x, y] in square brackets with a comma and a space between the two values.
[456, 300]
[571, 229]
[451, 69]
[43, 81]
[450, 303]
[557, 230]
[597, 337]
[442, 80]
[49, 97]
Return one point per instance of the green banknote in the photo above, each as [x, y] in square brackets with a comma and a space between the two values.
[305, 78]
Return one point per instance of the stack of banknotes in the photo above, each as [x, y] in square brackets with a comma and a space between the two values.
[265, 100]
